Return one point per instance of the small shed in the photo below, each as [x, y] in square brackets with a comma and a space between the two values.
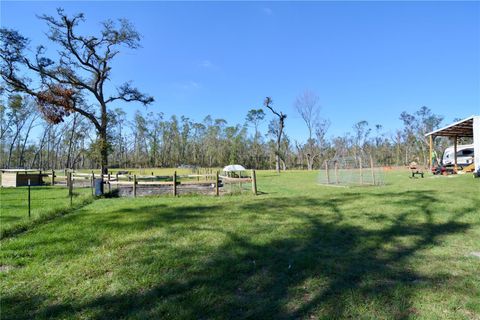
[468, 127]
[20, 177]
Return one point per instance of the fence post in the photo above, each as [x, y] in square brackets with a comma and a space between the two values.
[70, 183]
[134, 185]
[254, 182]
[174, 183]
[361, 171]
[66, 178]
[373, 171]
[92, 178]
[108, 179]
[29, 198]
[217, 191]
[326, 171]
[336, 172]
[53, 177]
[70, 188]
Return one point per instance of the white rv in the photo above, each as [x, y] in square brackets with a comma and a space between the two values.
[464, 155]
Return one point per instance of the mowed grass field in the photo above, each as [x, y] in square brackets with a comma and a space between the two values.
[298, 250]
[45, 203]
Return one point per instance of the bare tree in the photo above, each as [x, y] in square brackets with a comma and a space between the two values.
[255, 117]
[308, 107]
[278, 131]
[82, 68]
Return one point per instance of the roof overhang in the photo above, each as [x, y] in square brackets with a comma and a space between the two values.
[462, 128]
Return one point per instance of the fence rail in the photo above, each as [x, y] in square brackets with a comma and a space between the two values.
[136, 185]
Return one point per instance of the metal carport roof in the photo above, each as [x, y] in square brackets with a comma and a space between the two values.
[462, 128]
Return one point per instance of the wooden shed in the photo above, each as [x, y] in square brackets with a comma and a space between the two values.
[20, 177]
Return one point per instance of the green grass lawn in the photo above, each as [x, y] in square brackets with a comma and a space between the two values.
[46, 202]
[298, 250]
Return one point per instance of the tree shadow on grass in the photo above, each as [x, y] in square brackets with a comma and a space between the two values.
[322, 269]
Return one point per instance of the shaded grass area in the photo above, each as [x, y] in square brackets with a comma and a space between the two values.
[297, 251]
[46, 203]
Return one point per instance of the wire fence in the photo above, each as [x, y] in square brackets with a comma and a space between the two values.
[350, 171]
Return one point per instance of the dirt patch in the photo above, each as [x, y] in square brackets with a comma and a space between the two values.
[5, 268]
[475, 254]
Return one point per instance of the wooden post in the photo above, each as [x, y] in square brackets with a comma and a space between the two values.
[134, 185]
[361, 170]
[430, 144]
[70, 188]
[108, 179]
[92, 178]
[66, 178]
[336, 172]
[174, 183]
[70, 183]
[455, 153]
[53, 177]
[326, 171]
[29, 206]
[217, 191]
[254, 182]
[373, 171]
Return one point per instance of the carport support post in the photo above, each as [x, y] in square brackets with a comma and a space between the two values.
[455, 141]
[476, 142]
[254, 182]
[430, 144]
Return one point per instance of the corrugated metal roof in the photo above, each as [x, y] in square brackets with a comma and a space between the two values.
[462, 128]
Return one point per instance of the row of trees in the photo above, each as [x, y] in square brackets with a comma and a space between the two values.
[152, 140]
[57, 111]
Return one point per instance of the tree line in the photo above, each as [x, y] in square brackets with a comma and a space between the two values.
[153, 140]
[56, 112]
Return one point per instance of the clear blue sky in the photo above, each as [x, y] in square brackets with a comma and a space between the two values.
[366, 60]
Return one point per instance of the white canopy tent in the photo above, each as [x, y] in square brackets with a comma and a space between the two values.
[234, 167]
[468, 127]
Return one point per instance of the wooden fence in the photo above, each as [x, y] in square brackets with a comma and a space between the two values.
[139, 185]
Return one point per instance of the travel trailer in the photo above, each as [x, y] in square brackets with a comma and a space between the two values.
[465, 155]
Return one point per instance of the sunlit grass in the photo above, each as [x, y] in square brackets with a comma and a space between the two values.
[45, 203]
[298, 250]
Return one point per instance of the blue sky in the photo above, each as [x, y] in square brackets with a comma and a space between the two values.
[365, 60]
